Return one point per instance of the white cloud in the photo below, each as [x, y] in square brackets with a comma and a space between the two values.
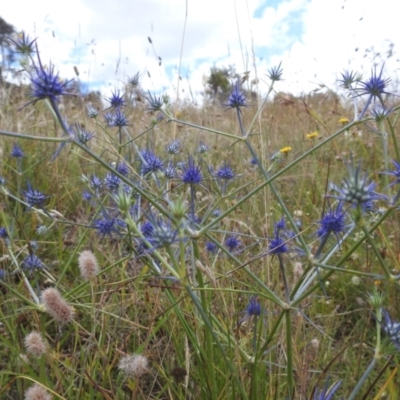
[315, 39]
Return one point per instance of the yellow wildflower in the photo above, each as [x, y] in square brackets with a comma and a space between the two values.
[285, 150]
[343, 120]
[312, 135]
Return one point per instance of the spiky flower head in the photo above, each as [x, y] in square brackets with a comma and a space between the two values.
[118, 119]
[56, 306]
[232, 242]
[155, 103]
[135, 80]
[225, 172]
[133, 365]
[277, 244]
[31, 263]
[203, 148]
[375, 86]
[394, 172]
[174, 147]
[237, 99]
[117, 99]
[191, 173]
[112, 182]
[46, 84]
[3, 233]
[357, 189]
[37, 392]
[348, 79]
[23, 44]
[122, 168]
[80, 134]
[17, 152]
[33, 197]
[106, 226]
[275, 73]
[95, 182]
[391, 328]
[380, 113]
[254, 307]
[91, 111]
[150, 162]
[211, 247]
[35, 344]
[88, 265]
[162, 233]
[334, 221]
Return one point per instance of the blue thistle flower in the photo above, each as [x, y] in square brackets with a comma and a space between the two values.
[380, 113]
[332, 222]
[95, 182]
[348, 79]
[375, 86]
[277, 244]
[17, 152]
[150, 162]
[174, 147]
[122, 168]
[191, 173]
[254, 307]
[327, 392]
[112, 182]
[147, 229]
[46, 84]
[80, 134]
[236, 99]
[216, 213]
[33, 197]
[117, 99]
[203, 148]
[357, 189]
[169, 171]
[232, 242]
[155, 103]
[23, 44]
[106, 226]
[395, 172]
[163, 234]
[31, 263]
[118, 119]
[135, 80]
[225, 172]
[211, 247]
[3, 233]
[391, 328]
[87, 196]
[275, 73]
[91, 111]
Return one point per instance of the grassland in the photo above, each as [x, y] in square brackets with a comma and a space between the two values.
[241, 321]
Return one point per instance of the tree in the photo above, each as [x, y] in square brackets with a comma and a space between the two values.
[220, 80]
[6, 30]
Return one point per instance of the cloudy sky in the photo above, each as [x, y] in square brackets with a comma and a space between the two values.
[108, 41]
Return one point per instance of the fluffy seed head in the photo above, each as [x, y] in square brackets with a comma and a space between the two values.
[56, 306]
[37, 392]
[88, 265]
[35, 344]
[133, 365]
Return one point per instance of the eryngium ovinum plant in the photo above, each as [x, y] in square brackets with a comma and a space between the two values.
[173, 288]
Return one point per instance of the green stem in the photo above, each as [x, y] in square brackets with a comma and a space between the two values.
[289, 352]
